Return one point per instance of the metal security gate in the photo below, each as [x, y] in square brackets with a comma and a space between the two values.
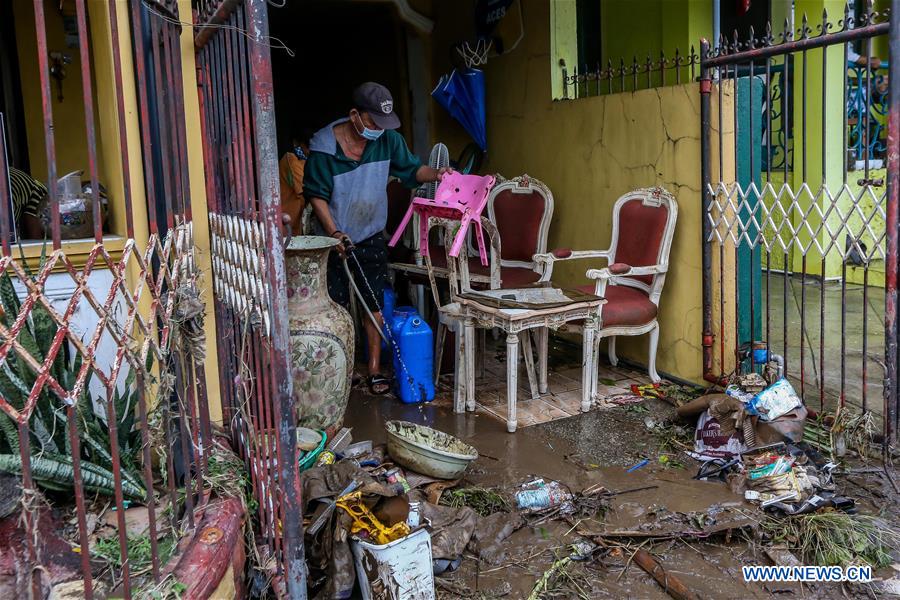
[236, 99]
[71, 442]
[799, 138]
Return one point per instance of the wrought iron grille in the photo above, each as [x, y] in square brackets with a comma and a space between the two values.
[595, 80]
[799, 255]
[141, 313]
[867, 109]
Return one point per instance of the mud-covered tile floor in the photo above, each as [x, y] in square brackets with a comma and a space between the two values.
[563, 399]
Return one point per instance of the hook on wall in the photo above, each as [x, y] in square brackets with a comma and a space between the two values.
[58, 62]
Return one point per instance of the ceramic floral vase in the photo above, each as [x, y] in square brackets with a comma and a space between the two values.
[321, 337]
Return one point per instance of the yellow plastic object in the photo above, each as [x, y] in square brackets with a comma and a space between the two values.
[364, 520]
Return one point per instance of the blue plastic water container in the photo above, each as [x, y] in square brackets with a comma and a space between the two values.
[398, 313]
[416, 342]
[398, 316]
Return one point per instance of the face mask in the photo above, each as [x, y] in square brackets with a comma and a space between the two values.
[369, 134]
[299, 153]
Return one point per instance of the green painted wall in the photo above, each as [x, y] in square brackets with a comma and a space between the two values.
[634, 28]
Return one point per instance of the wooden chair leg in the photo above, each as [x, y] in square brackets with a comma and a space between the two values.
[512, 380]
[543, 343]
[588, 374]
[529, 364]
[440, 340]
[459, 379]
[482, 351]
[469, 342]
[611, 352]
[651, 362]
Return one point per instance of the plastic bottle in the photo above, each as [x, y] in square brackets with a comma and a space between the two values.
[538, 495]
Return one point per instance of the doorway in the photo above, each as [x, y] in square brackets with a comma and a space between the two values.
[336, 46]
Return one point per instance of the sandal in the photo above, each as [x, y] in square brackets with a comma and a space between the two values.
[378, 380]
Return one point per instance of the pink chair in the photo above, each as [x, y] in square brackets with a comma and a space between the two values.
[643, 225]
[458, 197]
[522, 209]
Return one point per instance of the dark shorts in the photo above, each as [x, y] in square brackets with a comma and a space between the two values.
[371, 255]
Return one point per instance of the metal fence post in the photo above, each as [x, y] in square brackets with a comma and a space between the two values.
[706, 179]
[893, 197]
[268, 186]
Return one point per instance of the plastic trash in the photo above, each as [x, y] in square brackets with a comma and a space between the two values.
[414, 518]
[445, 565]
[538, 494]
[781, 465]
[637, 466]
[398, 481]
[776, 400]
[735, 391]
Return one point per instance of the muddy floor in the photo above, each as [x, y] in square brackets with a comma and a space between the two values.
[598, 448]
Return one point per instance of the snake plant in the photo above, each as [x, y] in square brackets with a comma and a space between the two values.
[51, 460]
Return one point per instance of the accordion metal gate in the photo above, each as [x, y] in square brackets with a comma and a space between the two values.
[799, 227]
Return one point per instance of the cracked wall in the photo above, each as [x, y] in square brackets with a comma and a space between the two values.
[589, 152]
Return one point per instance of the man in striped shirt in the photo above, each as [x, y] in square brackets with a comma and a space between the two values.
[27, 195]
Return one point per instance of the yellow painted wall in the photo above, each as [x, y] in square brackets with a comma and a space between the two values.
[589, 152]
[68, 115]
[197, 176]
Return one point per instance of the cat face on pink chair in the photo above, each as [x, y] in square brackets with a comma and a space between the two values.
[458, 196]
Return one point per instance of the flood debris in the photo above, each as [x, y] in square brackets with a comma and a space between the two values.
[575, 524]
[483, 501]
[666, 578]
[369, 519]
[538, 495]
[835, 538]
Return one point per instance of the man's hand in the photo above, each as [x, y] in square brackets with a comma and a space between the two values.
[286, 231]
[346, 244]
[442, 171]
[426, 174]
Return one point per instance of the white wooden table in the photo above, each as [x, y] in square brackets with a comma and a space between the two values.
[541, 309]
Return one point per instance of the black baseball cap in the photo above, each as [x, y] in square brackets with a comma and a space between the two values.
[376, 100]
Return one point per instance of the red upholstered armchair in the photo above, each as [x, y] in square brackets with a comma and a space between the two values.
[643, 225]
[522, 209]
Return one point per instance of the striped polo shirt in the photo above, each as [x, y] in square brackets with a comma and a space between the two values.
[356, 191]
[27, 193]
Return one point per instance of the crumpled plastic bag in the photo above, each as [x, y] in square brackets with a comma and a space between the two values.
[713, 440]
[776, 400]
